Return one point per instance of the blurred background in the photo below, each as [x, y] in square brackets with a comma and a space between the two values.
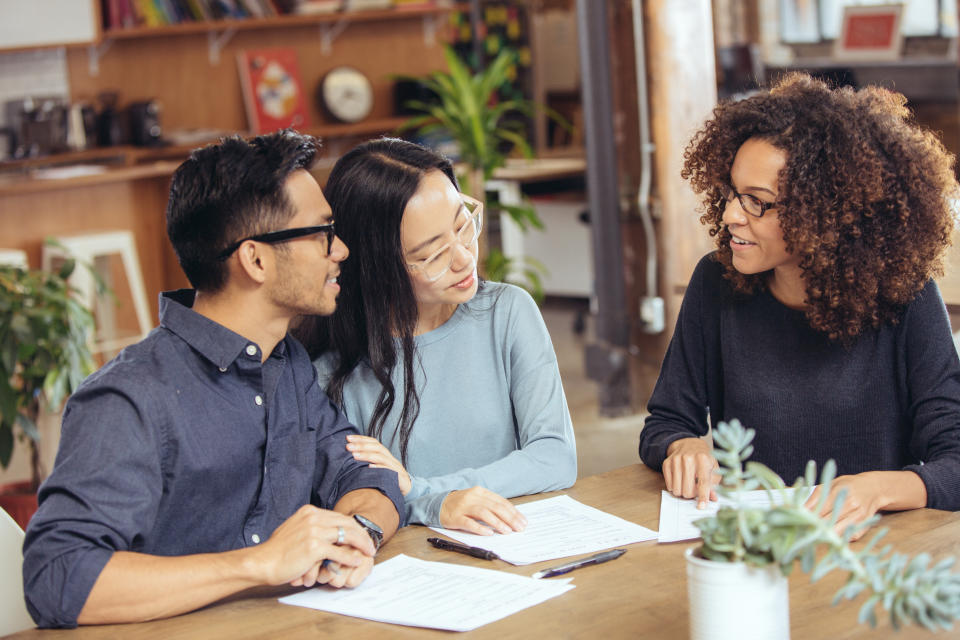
[100, 100]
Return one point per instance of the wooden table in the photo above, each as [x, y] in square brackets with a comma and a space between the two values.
[642, 594]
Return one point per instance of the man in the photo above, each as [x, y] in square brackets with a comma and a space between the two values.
[205, 459]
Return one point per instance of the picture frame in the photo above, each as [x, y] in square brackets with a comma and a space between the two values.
[870, 33]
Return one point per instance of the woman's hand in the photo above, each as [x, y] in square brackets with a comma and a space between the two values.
[480, 511]
[689, 470]
[868, 493]
[371, 450]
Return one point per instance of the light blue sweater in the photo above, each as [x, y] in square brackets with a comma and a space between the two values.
[492, 409]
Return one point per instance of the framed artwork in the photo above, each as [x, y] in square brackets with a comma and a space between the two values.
[869, 33]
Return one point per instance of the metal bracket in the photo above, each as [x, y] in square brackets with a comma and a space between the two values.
[430, 27]
[330, 33]
[94, 53]
[216, 42]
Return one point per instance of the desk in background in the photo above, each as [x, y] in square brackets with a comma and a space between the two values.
[564, 246]
[640, 595]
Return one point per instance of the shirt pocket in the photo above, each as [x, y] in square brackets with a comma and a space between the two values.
[289, 470]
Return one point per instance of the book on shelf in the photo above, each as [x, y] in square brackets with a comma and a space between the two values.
[272, 90]
[118, 14]
[362, 5]
[414, 4]
[312, 7]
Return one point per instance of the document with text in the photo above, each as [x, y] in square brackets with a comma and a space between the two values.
[556, 528]
[436, 595]
[678, 514]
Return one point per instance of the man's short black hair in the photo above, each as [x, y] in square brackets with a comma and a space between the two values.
[228, 191]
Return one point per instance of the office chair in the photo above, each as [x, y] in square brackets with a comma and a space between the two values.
[13, 610]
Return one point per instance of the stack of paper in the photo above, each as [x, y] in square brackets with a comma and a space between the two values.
[437, 595]
[557, 528]
[677, 515]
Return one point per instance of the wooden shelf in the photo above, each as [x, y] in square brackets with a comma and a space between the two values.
[366, 127]
[128, 156]
[185, 28]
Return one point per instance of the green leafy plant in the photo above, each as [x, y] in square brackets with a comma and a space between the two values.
[909, 589]
[44, 352]
[467, 109]
[500, 268]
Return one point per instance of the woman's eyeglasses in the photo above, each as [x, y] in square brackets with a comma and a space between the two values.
[283, 235]
[751, 204]
[469, 222]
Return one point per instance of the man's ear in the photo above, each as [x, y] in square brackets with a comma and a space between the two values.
[254, 260]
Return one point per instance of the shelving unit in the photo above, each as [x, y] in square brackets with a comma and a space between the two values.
[245, 24]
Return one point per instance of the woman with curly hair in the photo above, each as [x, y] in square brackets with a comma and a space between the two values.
[816, 321]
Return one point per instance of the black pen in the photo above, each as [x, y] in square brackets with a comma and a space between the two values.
[476, 552]
[576, 564]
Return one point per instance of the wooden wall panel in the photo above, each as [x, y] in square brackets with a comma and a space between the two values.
[197, 94]
[137, 205]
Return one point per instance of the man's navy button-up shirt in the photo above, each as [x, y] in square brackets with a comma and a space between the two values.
[185, 443]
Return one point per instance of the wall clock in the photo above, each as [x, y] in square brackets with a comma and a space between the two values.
[346, 94]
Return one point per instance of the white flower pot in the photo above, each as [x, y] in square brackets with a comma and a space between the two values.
[736, 601]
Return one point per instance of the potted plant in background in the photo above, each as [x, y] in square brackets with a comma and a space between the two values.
[737, 577]
[467, 108]
[44, 356]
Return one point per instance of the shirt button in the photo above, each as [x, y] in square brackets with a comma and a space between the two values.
[255, 538]
[223, 369]
[251, 350]
[258, 400]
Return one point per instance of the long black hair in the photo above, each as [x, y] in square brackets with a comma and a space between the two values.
[368, 190]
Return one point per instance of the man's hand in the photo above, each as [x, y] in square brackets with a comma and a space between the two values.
[869, 493]
[296, 550]
[689, 470]
[372, 451]
[480, 511]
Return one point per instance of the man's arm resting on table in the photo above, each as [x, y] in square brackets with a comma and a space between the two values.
[134, 587]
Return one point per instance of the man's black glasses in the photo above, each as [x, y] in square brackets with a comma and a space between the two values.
[282, 236]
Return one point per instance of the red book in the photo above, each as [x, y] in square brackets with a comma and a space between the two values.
[272, 90]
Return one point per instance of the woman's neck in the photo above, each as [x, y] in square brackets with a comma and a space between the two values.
[431, 316]
[787, 286]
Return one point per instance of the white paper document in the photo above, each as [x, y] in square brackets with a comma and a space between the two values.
[437, 595]
[556, 528]
[678, 514]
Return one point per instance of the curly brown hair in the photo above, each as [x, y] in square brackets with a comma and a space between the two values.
[864, 197]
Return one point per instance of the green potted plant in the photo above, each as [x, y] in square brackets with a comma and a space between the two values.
[44, 356]
[743, 543]
[467, 108]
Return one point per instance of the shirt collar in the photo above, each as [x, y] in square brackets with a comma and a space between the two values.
[216, 343]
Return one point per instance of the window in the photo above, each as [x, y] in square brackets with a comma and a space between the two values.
[816, 20]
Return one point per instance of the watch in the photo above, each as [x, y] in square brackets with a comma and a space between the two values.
[346, 94]
[375, 532]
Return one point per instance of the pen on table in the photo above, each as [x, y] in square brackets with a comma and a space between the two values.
[476, 552]
[605, 556]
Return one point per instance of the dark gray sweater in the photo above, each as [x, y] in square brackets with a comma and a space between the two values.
[889, 401]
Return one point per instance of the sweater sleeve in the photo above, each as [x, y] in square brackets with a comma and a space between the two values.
[679, 404]
[933, 386]
[546, 456]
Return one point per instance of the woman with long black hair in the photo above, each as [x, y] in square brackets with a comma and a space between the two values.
[453, 379]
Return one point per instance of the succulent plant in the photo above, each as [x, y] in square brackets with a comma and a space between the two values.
[910, 589]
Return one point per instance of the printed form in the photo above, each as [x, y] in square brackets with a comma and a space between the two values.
[678, 514]
[557, 528]
[436, 595]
